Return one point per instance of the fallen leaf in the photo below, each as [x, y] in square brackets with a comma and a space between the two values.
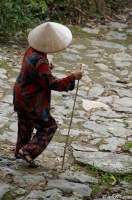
[69, 71]
[120, 145]
[114, 180]
[86, 88]
[105, 164]
[76, 194]
[83, 65]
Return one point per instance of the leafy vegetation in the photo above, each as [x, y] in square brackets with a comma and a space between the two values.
[107, 180]
[18, 15]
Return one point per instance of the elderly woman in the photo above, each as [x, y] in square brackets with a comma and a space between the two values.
[32, 90]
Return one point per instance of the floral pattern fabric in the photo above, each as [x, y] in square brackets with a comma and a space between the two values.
[32, 90]
[45, 130]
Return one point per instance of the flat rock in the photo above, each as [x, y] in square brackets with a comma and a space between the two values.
[71, 198]
[54, 149]
[108, 128]
[4, 167]
[108, 44]
[8, 99]
[102, 66]
[78, 46]
[82, 93]
[83, 148]
[123, 93]
[96, 55]
[105, 197]
[78, 177]
[129, 122]
[90, 30]
[16, 70]
[10, 136]
[108, 100]
[67, 186]
[5, 109]
[95, 51]
[57, 94]
[12, 80]
[116, 35]
[96, 91]
[88, 105]
[99, 129]
[72, 50]
[28, 179]
[3, 73]
[95, 141]
[111, 144]
[3, 121]
[121, 56]
[117, 128]
[4, 188]
[121, 64]
[124, 72]
[73, 132]
[14, 127]
[109, 76]
[123, 104]
[58, 75]
[117, 25]
[57, 110]
[19, 191]
[59, 68]
[71, 56]
[129, 46]
[4, 85]
[38, 194]
[105, 161]
[115, 84]
[105, 114]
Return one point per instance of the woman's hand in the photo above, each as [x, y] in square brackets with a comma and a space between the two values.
[78, 74]
[51, 65]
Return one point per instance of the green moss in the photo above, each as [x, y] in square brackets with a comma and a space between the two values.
[8, 196]
[127, 146]
[95, 191]
[128, 178]
[77, 31]
[61, 138]
[11, 73]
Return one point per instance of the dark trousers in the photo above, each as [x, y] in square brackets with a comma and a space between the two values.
[45, 131]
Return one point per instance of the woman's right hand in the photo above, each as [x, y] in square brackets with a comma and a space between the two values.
[78, 74]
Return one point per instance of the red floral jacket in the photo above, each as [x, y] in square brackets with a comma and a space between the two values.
[32, 90]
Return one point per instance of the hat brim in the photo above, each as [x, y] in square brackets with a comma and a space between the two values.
[50, 37]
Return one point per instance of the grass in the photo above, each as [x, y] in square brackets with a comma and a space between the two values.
[105, 180]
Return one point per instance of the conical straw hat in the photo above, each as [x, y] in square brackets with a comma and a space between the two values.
[50, 37]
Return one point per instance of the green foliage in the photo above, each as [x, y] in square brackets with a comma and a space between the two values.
[111, 1]
[128, 178]
[97, 15]
[18, 15]
[94, 191]
[130, 145]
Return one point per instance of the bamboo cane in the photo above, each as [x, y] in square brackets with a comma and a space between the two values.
[70, 122]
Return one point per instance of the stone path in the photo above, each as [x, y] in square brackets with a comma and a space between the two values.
[100, 137]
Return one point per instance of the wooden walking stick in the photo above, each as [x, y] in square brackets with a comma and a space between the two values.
[70, 122]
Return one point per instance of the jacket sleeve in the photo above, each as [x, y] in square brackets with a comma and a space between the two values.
[47, 80]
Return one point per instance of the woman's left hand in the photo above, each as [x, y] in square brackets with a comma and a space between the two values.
[51, 65]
